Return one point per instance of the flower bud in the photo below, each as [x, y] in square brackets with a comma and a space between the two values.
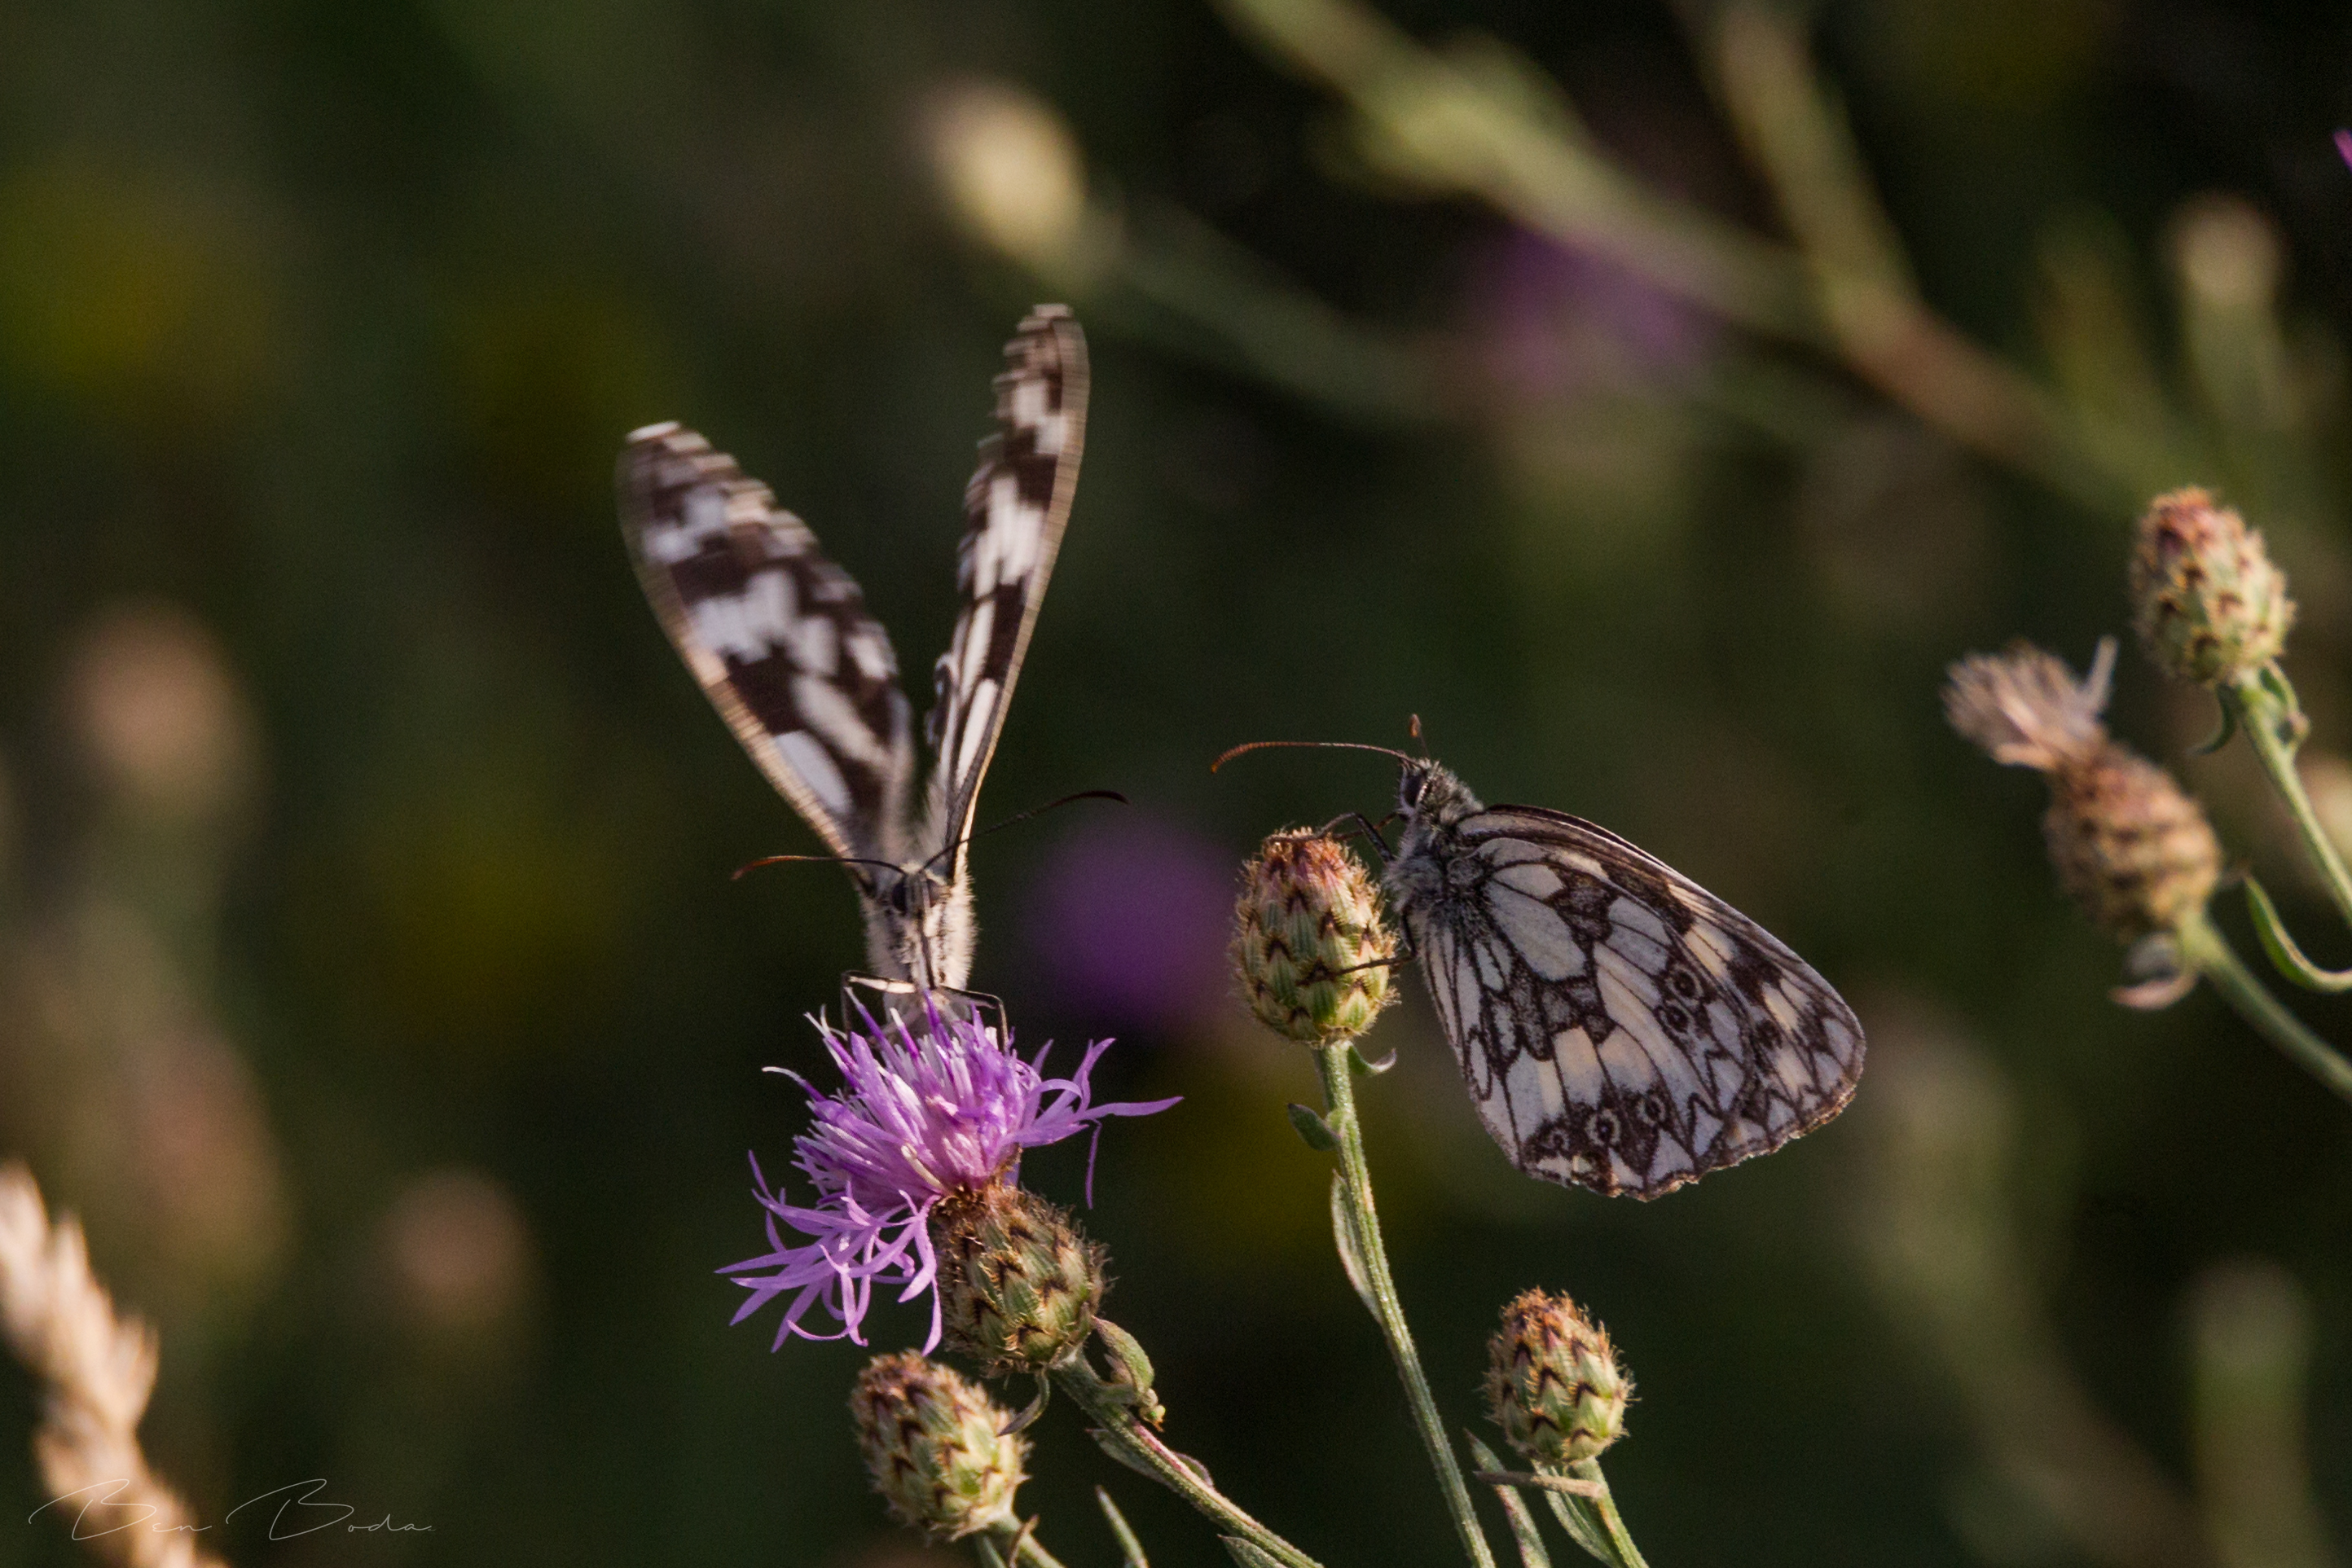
[2130, 846]
[2208, 603]
[1019, 1285]
[936, 1447]
[1552, 1382]
[1309, 943]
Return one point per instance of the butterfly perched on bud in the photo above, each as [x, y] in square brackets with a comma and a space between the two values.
[1620, 1026]
[782, 644]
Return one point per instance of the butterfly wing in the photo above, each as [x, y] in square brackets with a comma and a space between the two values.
[1015, 508]
[778, 635]
[1620, 1026]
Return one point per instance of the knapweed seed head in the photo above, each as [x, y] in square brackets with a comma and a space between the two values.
[1019, 1283]
[936, 1446]
[1552, 1382]
[2025, 707]
[1310, 944]
[2131, 846]
[2208, 603]
[927, 1108]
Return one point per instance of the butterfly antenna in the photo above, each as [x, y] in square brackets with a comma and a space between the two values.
[807, 859]
[1025, 816]
[1308, 745]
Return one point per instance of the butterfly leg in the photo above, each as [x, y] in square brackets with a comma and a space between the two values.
[897, 999]
[1368, 828]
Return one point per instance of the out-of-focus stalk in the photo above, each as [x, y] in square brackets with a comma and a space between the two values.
[2250, 1329]
[1477, 120]
[1939, 1234]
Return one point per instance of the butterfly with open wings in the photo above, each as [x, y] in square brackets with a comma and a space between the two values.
[782, 642]
[1620, 1026]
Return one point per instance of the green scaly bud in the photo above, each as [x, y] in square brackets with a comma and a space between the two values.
[1310, 945]
[936, 1447]
[1019, 1285]
[1552, 1382]
[2206, 599]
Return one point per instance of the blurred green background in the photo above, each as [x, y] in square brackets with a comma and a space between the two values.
[372, 983]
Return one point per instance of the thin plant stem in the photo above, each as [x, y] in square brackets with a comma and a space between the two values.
[1355, 1190]
[2203, 950]
[1021, 1541]
[1629, 1554]
[1131, 1549]
[1135, 1445]
[2264, 706]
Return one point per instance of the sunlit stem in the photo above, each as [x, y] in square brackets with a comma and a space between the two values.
[1354, 1192]
[2203, 950]
[2266, 707]
[1135, 1445]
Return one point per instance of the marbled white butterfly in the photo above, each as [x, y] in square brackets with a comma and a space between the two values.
[782, 642]
[1620, 1026]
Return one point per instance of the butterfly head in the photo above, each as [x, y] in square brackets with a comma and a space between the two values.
[922, 921]
[1429, 792]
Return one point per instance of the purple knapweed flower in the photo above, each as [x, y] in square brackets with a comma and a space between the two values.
[924, 1110]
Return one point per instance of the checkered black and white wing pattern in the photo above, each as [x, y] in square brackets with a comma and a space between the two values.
[1015, 508]
[1621, 1028]
[777, 635]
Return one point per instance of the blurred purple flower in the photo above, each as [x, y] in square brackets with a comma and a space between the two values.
[2344, 145]
[1128, 922]
[921, 1113]
[1550, 321]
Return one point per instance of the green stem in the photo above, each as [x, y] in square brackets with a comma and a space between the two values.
[2266, 709]
[1629, 1554]
[1381, 1294]
[1138, 1446]
[2203, 950]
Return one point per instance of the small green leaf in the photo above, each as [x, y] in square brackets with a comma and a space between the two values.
[2285, 957]
[1132, 1361]
[1364, 1065]
[1249, 1555]
[1028, 1417]
[1582, 1521]
[1313, 1128]
[1119, 1451]
[1131, 1549]
[2219, 737]
[1343, 1234]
